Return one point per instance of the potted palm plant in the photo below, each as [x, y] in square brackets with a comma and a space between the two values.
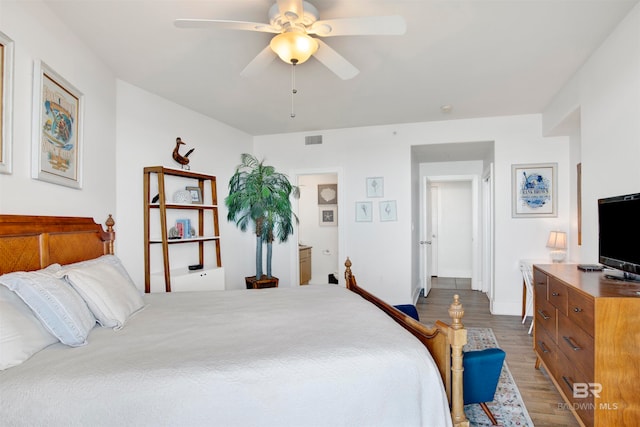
[260, 197]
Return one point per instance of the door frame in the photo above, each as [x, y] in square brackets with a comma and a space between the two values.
[295, 252]
[476, 249]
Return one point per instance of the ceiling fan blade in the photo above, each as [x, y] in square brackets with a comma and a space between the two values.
[362, 26]
[225, 25]
[259, 63]
[335, 62]
[291, 9]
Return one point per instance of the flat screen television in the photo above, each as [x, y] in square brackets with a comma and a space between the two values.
[619, 234]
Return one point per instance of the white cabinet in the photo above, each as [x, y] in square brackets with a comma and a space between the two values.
[183, 280]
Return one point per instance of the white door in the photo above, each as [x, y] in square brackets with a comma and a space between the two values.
[426, 242]
[432, 230]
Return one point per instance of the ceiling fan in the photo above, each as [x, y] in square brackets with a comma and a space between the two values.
[295, 22]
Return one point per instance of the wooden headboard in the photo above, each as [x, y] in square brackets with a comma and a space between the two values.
[34, 242]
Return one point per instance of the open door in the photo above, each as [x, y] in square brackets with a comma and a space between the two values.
[426, 243]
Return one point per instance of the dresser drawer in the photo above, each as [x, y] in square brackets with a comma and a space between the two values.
[558, 295]
[539, 278]
[576, 344]
[547, 350]
[545, 318]
[540, 292]
[575, 386]
[581, 311]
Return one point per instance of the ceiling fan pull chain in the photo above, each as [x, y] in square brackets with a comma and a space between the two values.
[293, 85]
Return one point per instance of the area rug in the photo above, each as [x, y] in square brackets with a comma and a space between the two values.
[507, 407]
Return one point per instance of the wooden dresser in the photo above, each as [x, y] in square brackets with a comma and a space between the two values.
[305, 264]
[587, 337]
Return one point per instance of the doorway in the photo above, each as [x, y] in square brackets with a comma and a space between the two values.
[451, 233]
[318, 231]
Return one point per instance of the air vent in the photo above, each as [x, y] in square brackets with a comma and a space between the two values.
[313, 140]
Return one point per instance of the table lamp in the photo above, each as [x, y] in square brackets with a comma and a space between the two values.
[558, 242]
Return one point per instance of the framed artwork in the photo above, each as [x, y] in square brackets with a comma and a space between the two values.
[6, 102]
[534, 190]
[328, 216]
[579, 202]
[364, 211]
[196, 194]
[327, 194]
[388, 210]
[375, 187]
[57, 128]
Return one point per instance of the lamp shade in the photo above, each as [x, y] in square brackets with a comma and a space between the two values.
[557, 240]
[294, 47]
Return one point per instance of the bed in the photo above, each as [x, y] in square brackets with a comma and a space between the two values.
[312, 355]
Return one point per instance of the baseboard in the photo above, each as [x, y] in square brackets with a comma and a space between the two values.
[416, 294]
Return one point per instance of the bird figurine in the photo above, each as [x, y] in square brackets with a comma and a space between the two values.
[183, 160]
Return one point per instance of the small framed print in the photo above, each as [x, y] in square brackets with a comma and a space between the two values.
[388, 211]
[375, 187]
[327, 194]
[534, 190]
[364, 211]
[328, 216]
[6, 102]
[57, 128]
[196, 194]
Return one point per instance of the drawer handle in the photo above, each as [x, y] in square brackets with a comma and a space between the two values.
[543, 347]
[577, 309]
[544, 315]
[573, 345]
[555, 294]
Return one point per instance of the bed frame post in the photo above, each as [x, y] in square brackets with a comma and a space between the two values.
[457, 338]
[111, 234]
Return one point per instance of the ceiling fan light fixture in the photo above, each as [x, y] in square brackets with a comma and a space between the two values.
[294, 47]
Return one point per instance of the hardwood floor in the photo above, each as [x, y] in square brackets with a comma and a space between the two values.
[543, 402]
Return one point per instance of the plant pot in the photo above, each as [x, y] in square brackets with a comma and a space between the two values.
[264, 282]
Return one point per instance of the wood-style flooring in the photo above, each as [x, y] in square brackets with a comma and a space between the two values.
[543, 402]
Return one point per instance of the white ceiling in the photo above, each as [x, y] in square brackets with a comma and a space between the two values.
[482, 57]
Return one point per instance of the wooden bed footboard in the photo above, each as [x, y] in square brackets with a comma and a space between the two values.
[444, 342]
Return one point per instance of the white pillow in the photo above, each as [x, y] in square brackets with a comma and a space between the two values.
[60, 309]
[21, 333]
[111, 295]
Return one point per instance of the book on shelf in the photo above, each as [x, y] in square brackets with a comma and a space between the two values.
[184, 228]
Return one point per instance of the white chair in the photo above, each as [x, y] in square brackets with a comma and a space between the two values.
[527, 276]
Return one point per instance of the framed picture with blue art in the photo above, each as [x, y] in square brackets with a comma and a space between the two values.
[534, 188]
[57, 128]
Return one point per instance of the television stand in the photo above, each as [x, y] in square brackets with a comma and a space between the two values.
[585, 338]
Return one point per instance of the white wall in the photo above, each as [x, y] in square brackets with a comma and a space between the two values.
[607, 92]
[382, 252]
[37, 34]
[606, 89]
[147, 127]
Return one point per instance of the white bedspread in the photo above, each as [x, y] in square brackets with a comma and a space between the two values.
[308, 356]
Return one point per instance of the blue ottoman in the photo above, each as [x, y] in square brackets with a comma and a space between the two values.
[480, 378]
